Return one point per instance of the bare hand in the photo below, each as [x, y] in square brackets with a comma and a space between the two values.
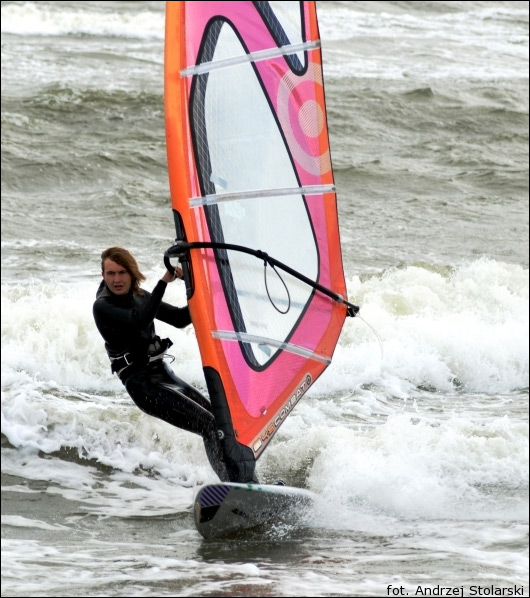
[169, 277]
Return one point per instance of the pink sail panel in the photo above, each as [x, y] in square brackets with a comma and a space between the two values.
[249, 167]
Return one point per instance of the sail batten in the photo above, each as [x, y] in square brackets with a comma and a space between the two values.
[207, 67]
[251, 177]
[242, 337]
[241, 195]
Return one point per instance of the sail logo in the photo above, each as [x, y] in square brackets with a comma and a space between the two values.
[268, 432]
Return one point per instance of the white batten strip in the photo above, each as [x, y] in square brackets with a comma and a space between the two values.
[206, 67]
[243, 337]
[208, 200]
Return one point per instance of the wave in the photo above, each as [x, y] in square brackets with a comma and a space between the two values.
[430, 426]
[101, 19]
[128, 139]
[58, 100]
[442, 327]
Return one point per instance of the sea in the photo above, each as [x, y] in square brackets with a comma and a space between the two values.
[415, 439]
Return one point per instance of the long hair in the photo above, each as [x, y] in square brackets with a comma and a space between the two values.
[125, 259]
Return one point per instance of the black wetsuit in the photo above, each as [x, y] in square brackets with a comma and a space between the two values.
[126, 324]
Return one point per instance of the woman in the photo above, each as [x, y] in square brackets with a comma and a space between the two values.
[124, 315]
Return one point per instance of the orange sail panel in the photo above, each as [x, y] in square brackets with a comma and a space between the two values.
[249, 165]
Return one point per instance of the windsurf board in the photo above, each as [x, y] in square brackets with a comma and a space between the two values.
[228, 508]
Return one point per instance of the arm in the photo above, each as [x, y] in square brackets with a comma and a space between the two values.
[175, 316]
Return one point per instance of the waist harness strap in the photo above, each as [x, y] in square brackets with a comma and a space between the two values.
[119, 363]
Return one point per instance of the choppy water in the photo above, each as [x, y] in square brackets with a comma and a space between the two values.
[419, 453]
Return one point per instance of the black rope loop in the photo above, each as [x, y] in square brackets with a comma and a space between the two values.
[267, 288]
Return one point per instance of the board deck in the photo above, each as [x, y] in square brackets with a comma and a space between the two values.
[227, 508]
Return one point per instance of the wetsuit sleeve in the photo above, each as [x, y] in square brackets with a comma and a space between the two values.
[139, 316]
[175, 316]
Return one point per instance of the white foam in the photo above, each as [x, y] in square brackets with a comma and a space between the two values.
[459, 330]
[466, 327]
[410, 467]
[18, 521]
[32, 18]
[483, 44]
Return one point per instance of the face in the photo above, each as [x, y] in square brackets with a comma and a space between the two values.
[116, 277]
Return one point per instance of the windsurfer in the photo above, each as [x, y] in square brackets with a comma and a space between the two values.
[124, 315]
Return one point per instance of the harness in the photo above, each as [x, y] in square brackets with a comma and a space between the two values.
[155, 351]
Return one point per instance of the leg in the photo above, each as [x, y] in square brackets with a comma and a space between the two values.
[163, 396]
[160, 372]
[240, 467]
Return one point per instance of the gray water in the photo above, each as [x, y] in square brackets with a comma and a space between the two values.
[418, 450]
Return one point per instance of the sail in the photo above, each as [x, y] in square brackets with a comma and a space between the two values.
[251, 179]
